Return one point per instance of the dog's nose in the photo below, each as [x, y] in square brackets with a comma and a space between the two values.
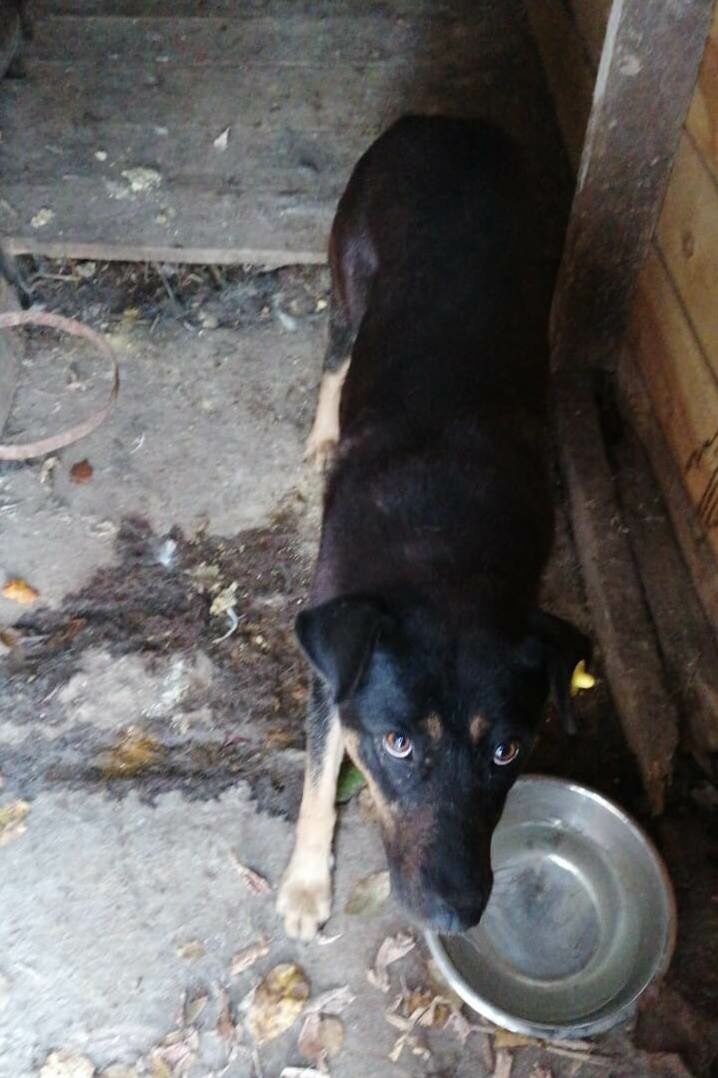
[451, 918]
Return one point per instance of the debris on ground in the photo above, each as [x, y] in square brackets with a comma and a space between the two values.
[174, 1055]
[18, 590]
[333, 1001]
[192, 950]
[391, 950]
[248, 956]
[81, 471]
[252, 880]
[62, 1064]
[225, 1027]
[12, 820]
[135, 751]
[504, 1064]
[277, 1002]
[369, 894]
[320, 1039]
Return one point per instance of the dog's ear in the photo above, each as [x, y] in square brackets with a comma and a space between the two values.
[561, 647]
[338, 638]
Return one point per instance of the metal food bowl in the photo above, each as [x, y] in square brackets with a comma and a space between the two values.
[580, 921]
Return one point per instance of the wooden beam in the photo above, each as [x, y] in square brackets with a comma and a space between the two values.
[648, 69]
[620, 619]
[686, 639]
[646, 75]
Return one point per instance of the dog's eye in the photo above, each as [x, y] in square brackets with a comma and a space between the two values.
[506, 752]
[397, 745]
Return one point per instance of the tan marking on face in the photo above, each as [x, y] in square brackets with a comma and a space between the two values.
[477, 728]
[385, 810]
[433, 726]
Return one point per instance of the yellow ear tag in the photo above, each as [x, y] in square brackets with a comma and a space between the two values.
[581, 679]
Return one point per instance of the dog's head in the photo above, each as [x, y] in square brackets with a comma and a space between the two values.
[441, 722]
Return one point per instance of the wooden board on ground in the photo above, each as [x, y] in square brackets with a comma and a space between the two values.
[225, 133]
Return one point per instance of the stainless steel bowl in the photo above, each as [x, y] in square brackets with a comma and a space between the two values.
[581, 919]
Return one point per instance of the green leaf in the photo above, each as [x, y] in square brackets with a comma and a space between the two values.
[350, 782]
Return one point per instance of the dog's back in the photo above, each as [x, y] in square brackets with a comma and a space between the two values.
[442, 409]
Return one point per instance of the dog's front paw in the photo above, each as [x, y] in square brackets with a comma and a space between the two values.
[320, 449]
[305, 905]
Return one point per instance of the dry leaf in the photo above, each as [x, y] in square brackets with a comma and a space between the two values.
[277, 1002]
[81, 471]
[333, 1001]
[225, 1027]
[175, 1055]
[503, 1065]
[251, 879]
[224, 600]
[12, 820]
[320, 1039]
[10, 639]
[248, 956]
[158, 1067]
[191, 950]
[66, 1065]
[205, 578]
[505, 1039]
[439, 984]
[193, 1009]
[134, 751]
[18, 590]
[392, 949]
[369, 894]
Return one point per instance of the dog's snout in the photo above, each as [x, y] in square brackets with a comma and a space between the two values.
[451, 918]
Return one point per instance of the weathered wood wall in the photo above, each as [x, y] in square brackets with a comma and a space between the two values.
[670, 367]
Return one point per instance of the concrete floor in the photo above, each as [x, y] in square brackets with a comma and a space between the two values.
[153, 755]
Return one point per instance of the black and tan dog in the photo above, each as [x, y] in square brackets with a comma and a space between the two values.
[431, 663]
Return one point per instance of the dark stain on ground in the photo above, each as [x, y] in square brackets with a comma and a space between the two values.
[140, 606]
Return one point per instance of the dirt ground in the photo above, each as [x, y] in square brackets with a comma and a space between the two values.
[151, 704]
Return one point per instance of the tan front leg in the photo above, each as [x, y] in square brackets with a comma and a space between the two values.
[325, 431]
[305, 894]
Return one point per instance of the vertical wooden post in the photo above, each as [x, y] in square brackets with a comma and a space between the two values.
[647, 72]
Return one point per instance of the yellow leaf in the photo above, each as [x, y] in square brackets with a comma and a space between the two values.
[18, 590]
[277, 1002]
[12, 820]
[134, 751]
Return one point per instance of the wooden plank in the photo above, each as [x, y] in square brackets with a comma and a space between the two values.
[298, 118]
[687, 643]
[267, 228]
[57, 120]
[700, 559]
[284, 41]
[688, 239]
[620, 618]
[568, 72]
[200, 9]
[591, 17]
[632, 135]
[682, 386]
[702, 121]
